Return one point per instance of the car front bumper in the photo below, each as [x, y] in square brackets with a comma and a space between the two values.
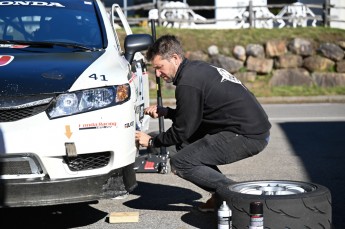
[41, 192]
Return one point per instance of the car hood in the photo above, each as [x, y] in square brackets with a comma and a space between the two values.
[42, 73]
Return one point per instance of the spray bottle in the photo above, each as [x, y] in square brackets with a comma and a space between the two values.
[224, 217]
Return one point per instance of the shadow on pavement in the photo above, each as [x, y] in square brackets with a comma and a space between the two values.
[162, 197]
[200, 220]
[59, 216]
[321, 148]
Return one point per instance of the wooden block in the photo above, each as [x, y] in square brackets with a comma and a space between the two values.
[124, 217]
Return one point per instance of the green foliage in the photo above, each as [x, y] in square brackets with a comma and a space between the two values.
[332, 68]
[242, 69]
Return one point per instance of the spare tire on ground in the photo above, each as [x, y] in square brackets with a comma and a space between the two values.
[286, 204]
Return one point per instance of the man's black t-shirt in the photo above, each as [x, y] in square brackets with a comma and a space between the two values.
[209, 100]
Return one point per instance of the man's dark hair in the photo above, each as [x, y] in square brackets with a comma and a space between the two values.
[165, 46]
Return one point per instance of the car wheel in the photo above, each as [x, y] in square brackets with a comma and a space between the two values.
[286, 204]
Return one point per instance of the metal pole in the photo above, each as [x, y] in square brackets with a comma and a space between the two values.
[251, 14]
[326, 13]
[158, 87]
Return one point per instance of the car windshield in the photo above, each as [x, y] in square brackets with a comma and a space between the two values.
[61, 21]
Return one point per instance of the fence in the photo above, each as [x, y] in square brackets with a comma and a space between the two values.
[250, 16]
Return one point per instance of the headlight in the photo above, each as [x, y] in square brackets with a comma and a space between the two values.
[88, 100]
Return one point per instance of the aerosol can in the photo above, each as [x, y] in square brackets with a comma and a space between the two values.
[256, 215]
[224, 217]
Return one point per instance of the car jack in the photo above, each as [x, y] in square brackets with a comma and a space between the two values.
[148, 162]
[154, 162]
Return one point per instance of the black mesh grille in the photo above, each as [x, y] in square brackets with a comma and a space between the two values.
[15, 168]
[17, 114]
[88, 161]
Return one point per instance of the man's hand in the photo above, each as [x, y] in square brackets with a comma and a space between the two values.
[156, 111]
[142, 138]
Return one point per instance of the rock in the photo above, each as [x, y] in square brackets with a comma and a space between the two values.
[255, 50]
[289, 61]
[246, 76]
[291, 77]
[341, 44]
[260, 65]
[213, 50]
[275, 48]
[239, 52]
[197, 55]
[329, 79]
[332, 51]
[318, 64]
[341, 66]
[301, 47]
[228, 63]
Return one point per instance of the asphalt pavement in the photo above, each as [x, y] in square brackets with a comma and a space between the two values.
[307, 144]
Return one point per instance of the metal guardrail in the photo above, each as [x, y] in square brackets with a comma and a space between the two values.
[251, 20]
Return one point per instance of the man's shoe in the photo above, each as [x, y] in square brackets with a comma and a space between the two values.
[209, 206]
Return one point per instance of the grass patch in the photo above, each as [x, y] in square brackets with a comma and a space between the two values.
[296, 91]
[264, 91]
[301, 91]
[201, 39]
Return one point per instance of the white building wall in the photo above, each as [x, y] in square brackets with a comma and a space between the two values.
[228, 13]
[338, 14]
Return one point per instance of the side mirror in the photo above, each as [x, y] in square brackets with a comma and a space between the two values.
[136, 43]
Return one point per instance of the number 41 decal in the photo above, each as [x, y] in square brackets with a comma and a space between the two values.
[100, 77]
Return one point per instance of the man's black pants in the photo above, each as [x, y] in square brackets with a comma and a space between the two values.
[197, 162]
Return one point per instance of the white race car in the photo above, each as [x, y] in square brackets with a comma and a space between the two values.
[70, 102]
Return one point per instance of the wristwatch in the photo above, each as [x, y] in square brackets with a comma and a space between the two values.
[150, 143]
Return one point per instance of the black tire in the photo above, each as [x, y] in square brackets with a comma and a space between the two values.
[286, 204]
